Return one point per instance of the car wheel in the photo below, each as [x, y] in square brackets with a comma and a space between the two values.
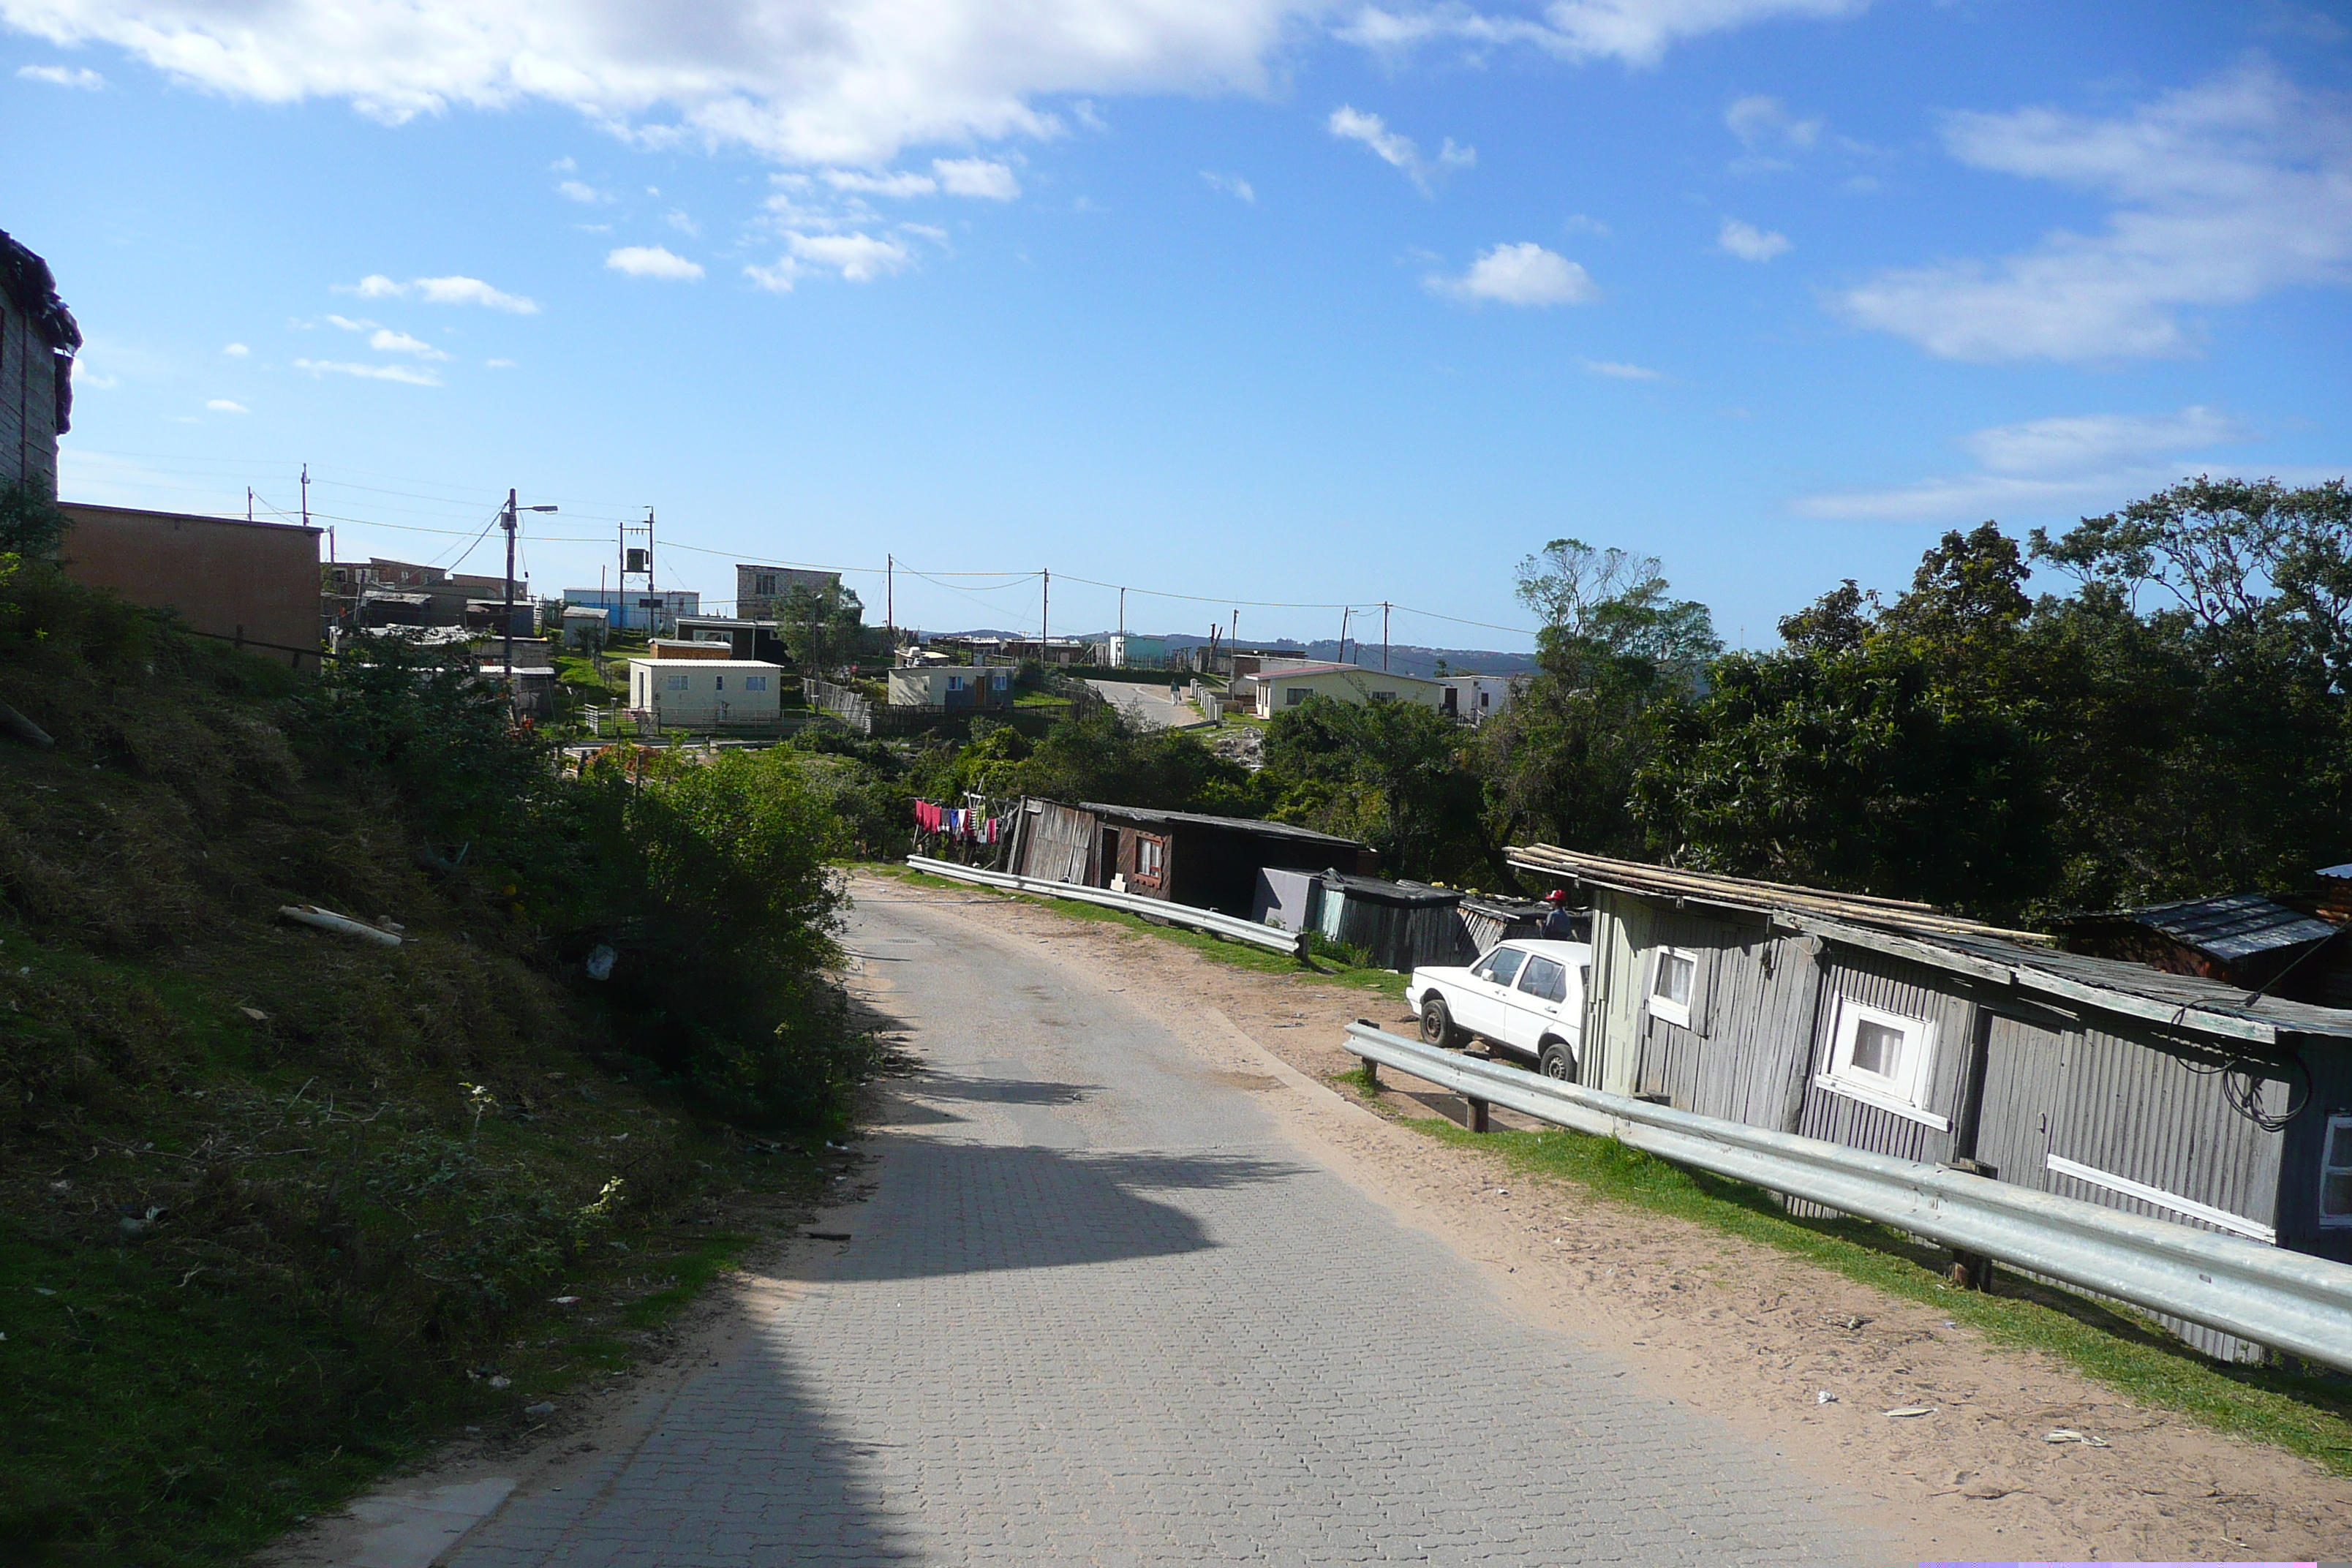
[1557, 1062]
[1437, 1025]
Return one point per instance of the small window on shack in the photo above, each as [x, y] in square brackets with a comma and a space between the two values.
[1292, 696]
[1150, 859]
[673, 682]
[755, 683]
[1673, 978]
[2335, 1172]
[1882, 1058]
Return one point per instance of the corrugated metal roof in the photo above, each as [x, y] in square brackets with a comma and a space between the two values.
[1746, 892]
[1389, 892]
[1918, 932]
[1236, 823]
[2235, 926]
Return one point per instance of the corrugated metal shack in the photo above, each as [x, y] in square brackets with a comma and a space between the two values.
[1208, 862]
[1186, 857]
[1398, 924]
[1890, 1026]
[1488, 920]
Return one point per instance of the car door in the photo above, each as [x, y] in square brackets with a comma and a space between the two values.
[1538, 1005]
[1477, 1002]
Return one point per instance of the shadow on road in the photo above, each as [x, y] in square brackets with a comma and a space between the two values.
[952, 1208]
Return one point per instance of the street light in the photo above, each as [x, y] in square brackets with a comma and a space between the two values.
[514, 686]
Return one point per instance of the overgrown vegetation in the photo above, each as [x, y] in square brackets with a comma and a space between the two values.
[2307, 1414]
[277, 1207]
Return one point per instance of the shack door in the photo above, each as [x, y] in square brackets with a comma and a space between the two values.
[1621, 931]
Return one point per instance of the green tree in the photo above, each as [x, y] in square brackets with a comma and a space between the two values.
[1616, 652]
[823, 627]
[1394, 774]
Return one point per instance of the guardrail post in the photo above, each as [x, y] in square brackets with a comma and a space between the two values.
[1371, 1074]
[1478, 1115]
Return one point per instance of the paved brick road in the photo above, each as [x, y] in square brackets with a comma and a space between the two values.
[1098, 1312]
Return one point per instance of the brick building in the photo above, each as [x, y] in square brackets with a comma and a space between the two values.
[38, 338]
[254, 583]
[760, 590]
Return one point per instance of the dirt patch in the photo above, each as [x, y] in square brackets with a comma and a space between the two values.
[1730, 1327]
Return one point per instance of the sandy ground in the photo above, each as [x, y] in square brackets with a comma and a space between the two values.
[1740, 1330]
[1734, 1329]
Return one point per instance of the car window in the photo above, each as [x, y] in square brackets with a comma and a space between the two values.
[1546, 980]
[1500, 965]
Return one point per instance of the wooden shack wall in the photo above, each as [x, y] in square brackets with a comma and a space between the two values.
[1057, 843]
[2300, 1153]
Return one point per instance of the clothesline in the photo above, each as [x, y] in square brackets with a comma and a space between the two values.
[958, 821]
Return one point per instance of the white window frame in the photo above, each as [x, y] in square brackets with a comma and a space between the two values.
[1905, 1092]
[674, 682]
[2340, 1120]
[1666, 1007]
[755, 683]
[1292, 696]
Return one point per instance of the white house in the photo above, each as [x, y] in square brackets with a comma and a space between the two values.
[1130, 650]
[1474, 698]
[952, 686]
[1288, 684]
[714, 692]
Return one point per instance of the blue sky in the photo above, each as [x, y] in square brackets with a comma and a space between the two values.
[1247, 299]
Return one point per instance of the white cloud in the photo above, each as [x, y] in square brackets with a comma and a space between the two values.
[237, 351]
[583, 192]
[408, 374]
[1749, 243]
[2050, 466]
[843, 82]
[685, 225]
[653, 261]
[437, 290]
[1351, 124]
[904, 183]
[81, 77]
[1760, 121]
[498, 364]
[223, 406]
[563, 165]
[387, 341]
[1579, 222]
[976, 177]
[1232, 185]
[1523, 274]
[2220, 195]
[1620, 371]
[858, 257]
[1636, 32]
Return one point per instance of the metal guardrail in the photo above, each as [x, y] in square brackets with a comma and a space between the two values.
[2288, 1301]
[1234, 926]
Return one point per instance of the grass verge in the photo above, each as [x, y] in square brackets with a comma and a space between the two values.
[1239, 955]
[2306, 1415]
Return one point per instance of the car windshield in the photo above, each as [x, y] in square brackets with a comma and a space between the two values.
[1545, 979]
[1500, 965]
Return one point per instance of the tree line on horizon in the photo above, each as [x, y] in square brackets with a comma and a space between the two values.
[2177, 725]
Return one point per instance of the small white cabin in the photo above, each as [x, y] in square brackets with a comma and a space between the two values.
[706, 691]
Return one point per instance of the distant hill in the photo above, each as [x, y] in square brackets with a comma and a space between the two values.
[1403, 658]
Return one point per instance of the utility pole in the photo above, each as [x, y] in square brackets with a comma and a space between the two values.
[248, 504]
[890, 604]
[1343, 633]
[1236, 632]
[508, 521]
[1044, 613]
[1384, 637]
[306, 495]
[1122, 626]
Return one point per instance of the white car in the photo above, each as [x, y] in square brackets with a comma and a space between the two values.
[1526, 996]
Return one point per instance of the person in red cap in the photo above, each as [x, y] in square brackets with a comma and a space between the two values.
[1559, 925]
